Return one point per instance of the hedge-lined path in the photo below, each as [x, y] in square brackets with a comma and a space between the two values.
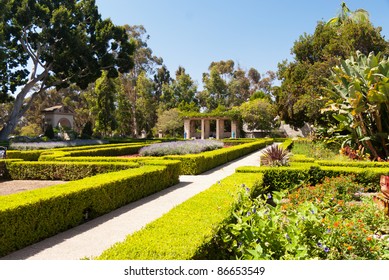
[92, 238]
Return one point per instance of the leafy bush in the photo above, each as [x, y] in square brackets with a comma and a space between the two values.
[313, 223]
[275, 156]
[180, 148]
[66, 171]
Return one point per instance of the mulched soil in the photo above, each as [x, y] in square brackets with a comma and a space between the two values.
[16, 186]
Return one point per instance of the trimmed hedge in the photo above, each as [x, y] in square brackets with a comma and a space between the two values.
[301, 158]
[28, 217]
[277, 178]
[4, 165]
[106, 159]
[66, 171]
[287, 144]
[361, 164]
[112, 150]
[174, 236]
[238, 141]
[199, 163]
[31, 155]
[92, 147]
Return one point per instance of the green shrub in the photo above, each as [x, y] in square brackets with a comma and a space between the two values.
[279, 178]
[301, 158]
[110, 151]
[199, 163]
[310, 223]
[66, 171]
[361, 164]
[174, 236]
[28, 217]
[286, 144]
[4, 165]
[238, 141]
[32, 155]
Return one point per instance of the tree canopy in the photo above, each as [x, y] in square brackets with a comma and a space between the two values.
[301, 94]
[46, 44]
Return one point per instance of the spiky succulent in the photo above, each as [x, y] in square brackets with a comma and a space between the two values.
[275, 155]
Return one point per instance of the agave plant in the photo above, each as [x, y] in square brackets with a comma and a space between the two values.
[275, 155]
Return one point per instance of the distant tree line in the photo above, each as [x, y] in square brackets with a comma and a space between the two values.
[118, 87]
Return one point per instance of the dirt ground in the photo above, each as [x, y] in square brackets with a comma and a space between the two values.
[16, 186]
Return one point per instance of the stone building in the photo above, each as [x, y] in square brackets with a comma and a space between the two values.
[58, 116]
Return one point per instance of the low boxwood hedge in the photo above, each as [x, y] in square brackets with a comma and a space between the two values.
[4, 164]
[110, 151]
[361, 164]
[174, 236]
[199, 163]
[106, 151]
[66, 171]
[31, 155]
[277, 178]
[28, 217]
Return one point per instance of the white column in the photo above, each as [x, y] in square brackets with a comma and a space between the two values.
[187, 128]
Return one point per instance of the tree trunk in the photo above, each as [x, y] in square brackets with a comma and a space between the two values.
[18, 110]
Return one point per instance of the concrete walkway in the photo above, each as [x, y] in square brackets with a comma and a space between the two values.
[92, 238]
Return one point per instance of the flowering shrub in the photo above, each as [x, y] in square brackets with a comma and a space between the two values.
[358, 154]
[180, 148]
[311, 223]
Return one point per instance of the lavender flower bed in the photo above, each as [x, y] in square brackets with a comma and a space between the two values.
[54, 144]
[180, 147]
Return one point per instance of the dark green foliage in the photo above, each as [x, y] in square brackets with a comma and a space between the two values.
[87, 131]
[106, 89]
[49, 132]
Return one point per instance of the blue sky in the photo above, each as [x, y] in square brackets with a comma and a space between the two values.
[253, 33]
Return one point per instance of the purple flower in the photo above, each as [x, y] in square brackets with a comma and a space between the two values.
[269, 196]
[326, 249]
[319, 244]
[313, 212]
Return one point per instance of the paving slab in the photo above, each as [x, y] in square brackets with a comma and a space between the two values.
[92, 238]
